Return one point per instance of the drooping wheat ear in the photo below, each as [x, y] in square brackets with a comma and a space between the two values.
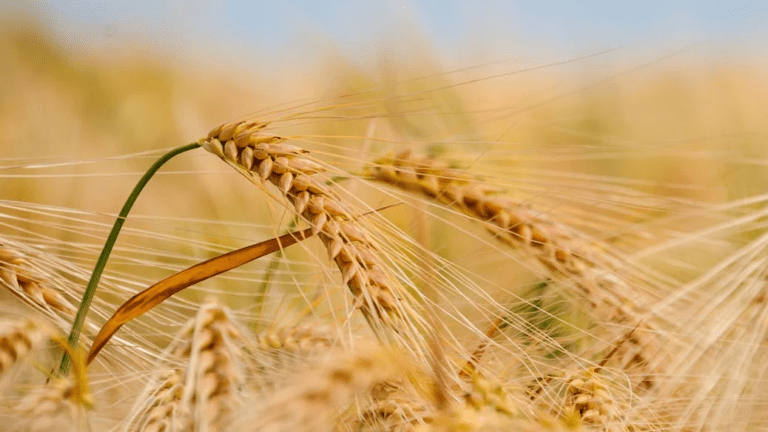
[17, 339]
[310, 401]
[562, 251]
[29, 283]
[204, 392]
[263, 157]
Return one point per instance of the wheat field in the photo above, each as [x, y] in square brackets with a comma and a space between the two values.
[574, 246]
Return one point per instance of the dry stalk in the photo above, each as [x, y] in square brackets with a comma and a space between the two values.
[562, 251]
[263, 157]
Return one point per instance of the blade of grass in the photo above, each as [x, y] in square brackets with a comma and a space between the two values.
[161, 291]
[90, 290]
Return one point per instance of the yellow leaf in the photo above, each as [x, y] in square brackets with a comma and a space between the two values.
[159, 292]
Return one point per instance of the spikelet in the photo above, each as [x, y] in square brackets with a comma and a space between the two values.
[485, 393]
[562, 251]
[592, 399]
[262, 157]
[202, 395]
[467, 418]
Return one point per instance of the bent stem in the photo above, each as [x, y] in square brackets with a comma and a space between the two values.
[90, 291]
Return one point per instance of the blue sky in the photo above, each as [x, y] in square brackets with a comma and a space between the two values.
[276, 28]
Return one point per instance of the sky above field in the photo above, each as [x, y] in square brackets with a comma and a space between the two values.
[456, 29]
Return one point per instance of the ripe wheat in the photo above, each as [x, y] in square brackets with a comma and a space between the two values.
[561, 250]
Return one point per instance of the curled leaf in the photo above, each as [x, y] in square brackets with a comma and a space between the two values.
[159, 292]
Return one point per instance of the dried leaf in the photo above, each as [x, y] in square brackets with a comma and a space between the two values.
[159, 292]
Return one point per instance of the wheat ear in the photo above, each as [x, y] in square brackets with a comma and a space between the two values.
[203, 394]
[309, 402]
[60, 404]
[264, 157]
[17, 339]
[301, 340]
[560, 249]
[30, 283]
[160, 404]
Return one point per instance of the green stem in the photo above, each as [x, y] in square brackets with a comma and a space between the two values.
[90, 291]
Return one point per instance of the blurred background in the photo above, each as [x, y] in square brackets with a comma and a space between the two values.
[551, 100]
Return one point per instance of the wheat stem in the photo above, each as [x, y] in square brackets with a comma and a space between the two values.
[90, 291]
